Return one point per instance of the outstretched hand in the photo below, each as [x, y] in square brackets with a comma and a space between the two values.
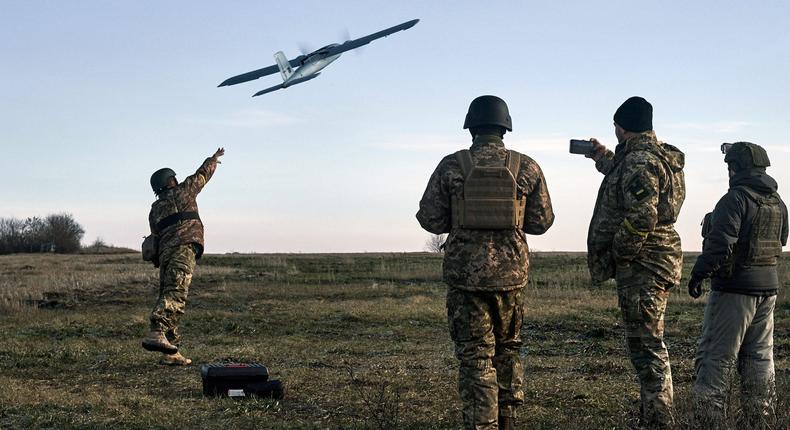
[220, 152]
[599, 149]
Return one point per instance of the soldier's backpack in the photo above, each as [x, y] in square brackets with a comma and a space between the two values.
[490, 195]
[150, 249]
[239, 380]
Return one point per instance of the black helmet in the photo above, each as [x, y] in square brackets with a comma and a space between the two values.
[745, 156]
[160, 178]
[488, 110]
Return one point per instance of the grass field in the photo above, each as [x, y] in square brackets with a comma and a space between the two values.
[360, 341]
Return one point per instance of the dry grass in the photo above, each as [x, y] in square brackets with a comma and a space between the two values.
[359, 339]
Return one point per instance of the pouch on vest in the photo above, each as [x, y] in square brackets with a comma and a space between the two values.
[490, 195]
[763, 246]
[151, 249]
[765, 243]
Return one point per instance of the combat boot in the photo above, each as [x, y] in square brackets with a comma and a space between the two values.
[156, 341]
[175, 360]
[507, 423]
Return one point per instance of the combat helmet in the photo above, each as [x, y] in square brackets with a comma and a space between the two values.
[488, 110]
[160, 178]
[745, 155]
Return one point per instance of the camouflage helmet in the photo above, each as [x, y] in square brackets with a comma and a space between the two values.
[745, 155]
[488, 110]
[160, 178]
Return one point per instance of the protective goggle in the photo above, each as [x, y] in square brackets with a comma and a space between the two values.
[726, 147]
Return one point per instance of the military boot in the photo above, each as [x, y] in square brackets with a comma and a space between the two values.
[156, 341]
[507, 423]
[175, 360]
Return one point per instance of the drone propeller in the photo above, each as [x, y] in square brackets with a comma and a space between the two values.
[305, 48]
[345, 36]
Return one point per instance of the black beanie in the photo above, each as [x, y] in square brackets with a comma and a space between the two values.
[635, 114]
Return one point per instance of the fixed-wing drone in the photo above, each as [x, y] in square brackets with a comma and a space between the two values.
[309, 66]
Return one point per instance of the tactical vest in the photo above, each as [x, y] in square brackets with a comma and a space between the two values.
[489, 199]
[763, 245]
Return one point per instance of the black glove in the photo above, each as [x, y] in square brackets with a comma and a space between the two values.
[695, 286]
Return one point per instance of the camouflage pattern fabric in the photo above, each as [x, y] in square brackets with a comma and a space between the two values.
[181, 198]
[486, 329]
[737, 335]
[638, 203]
[643, 301]
[175, 274]
[485, 260]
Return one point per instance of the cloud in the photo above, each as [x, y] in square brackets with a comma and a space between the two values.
[545, 143]
[421, 143]
[258, 118]
[712, 127]
[433, 143]
[776, 148]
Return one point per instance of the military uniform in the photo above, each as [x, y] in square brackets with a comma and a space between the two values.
[486, 270]
[632, 238]
[743, 240]
[173, 218]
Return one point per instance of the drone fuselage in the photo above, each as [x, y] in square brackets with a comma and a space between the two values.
[313, 64]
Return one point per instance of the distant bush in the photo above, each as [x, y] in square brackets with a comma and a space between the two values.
[99, 246]
[59, 233]
[435, 243]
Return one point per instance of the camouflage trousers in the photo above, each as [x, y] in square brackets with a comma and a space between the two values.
[176, 265]
[737, 335]
[486, 330]
[643, 301]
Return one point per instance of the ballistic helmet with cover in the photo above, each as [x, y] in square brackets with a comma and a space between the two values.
[488, 110]
[160, 178]
[746, 155]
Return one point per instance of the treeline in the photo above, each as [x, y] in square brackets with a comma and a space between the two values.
[59, 233]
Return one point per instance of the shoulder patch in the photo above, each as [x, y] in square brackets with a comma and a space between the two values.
[638, 189]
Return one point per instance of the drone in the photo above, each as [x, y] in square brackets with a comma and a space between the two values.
[308, 66]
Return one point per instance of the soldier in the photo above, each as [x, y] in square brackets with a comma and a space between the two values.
[743, 241]
[632, 238]
[175, 221]
[488, 198]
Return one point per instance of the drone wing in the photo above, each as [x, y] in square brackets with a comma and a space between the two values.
[356, 43]
[255, 74]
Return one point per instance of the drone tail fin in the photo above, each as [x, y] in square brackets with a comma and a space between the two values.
[285, 67]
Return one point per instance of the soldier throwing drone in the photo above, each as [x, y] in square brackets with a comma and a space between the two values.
[176, 226]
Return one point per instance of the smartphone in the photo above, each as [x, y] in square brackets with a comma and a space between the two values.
[583, 147]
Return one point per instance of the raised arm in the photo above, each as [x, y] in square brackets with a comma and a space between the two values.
[200, 178]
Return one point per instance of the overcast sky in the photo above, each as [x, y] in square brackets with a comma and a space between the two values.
[96, 95]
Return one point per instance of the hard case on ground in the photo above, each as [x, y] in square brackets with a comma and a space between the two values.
[239, 380]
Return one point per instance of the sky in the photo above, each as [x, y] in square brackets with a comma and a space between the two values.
[98, 94]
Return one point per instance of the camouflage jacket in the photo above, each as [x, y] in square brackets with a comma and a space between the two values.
[182, 198]
[485, 259]
[638, 203]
